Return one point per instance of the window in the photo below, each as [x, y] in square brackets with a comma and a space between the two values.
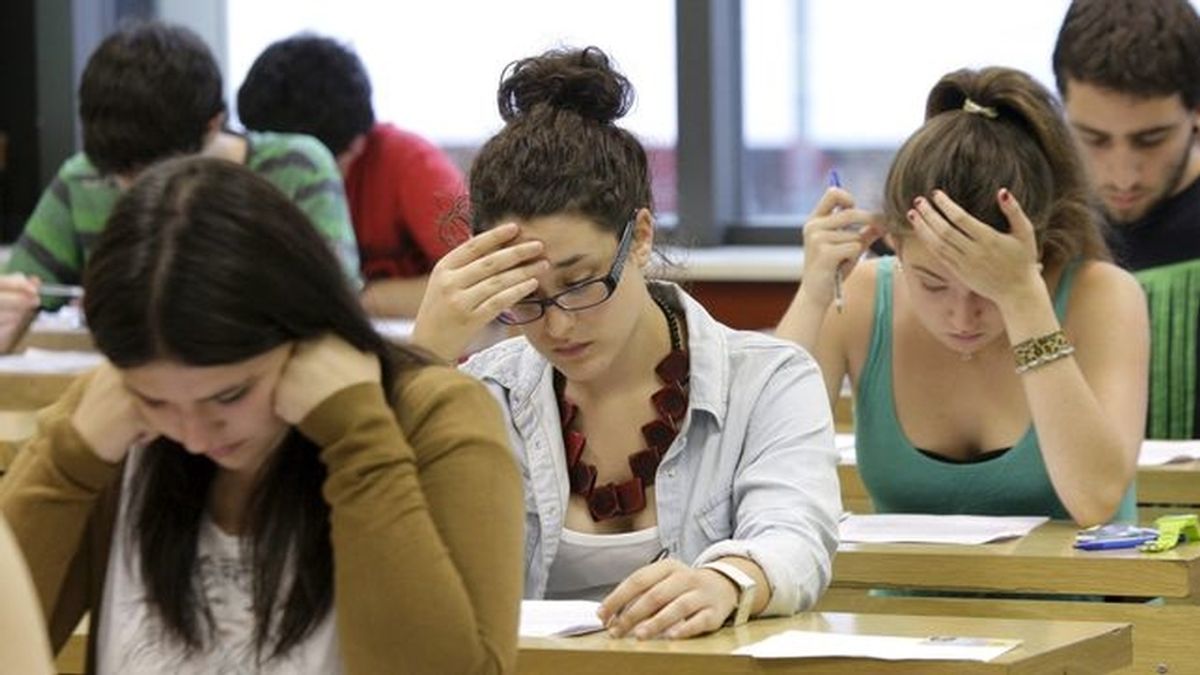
[434, 66]
[841, 83]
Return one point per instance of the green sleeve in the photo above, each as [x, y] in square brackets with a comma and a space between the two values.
[51, 246]
[303, 168]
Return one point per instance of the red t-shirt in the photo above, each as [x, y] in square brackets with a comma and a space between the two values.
[403, 193]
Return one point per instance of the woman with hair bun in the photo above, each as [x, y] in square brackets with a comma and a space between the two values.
[679, 471]
[998, 362]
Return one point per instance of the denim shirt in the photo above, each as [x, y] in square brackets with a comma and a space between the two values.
[752, 472]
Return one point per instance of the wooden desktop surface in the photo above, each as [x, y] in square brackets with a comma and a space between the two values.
[30, 391]
[1046, 647]
[1044, 561]
[1162, 590]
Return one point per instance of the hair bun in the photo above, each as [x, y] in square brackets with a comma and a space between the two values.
[579, 80]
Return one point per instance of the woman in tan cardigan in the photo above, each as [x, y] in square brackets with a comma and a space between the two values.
[256, 481]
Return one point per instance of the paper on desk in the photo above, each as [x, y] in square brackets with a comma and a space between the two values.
[67, 318]
[558, 618]
[845, 447]
[1155, 453]
[814, 644]
[394, 329]
[49, 362]
[883, 528]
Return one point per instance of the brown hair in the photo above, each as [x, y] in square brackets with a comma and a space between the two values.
[169, 279]
[559, 151]
[1021, 144]
[1141, 47]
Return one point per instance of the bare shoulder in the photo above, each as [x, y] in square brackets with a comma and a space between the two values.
[1104, 292]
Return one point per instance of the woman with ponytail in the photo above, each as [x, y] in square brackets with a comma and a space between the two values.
[679, 471]
[999, 361]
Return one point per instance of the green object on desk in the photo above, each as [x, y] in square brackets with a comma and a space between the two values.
[1172, 531]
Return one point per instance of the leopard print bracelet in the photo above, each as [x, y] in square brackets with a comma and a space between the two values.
[1038, 351]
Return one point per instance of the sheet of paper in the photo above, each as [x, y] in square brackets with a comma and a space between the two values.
[795, 644]
[883, 528]
[68, 318]
[845, 447]
[558, 618]
[1155, 453]
[35, 361]
[394, 329]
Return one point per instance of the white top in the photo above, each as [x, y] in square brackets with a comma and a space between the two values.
[131, 640]
[589, 566]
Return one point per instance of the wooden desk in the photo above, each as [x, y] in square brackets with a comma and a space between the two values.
[78, 339]
[1172, 485]
[1043, 562]
[24, 391]
[1047, 647]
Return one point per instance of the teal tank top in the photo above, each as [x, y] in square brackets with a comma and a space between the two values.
[902, 479]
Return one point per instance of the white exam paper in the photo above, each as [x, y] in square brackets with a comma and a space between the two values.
[813, 644]
[1155, 453]
[885, 528]
[394, 329]
[49, 362]
[558, 618]
[845, 447]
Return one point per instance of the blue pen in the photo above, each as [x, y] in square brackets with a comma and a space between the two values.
[1113, 536]
[839, 301]
[1110, 544]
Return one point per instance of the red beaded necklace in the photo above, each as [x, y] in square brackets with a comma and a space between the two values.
[671, 401]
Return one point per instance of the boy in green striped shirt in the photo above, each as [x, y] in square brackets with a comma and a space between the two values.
[152, 91]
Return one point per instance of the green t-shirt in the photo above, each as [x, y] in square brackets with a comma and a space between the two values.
[60, 235]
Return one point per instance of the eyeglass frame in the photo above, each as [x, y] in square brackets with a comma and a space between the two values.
[609, 280]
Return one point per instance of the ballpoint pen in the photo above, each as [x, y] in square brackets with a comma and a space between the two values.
[60, 291]
[839, 301]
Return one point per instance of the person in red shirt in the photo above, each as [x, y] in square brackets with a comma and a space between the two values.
[404, 192]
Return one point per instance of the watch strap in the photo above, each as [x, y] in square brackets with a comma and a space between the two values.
[746, 588]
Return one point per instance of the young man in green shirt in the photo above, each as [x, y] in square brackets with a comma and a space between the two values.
[148, 92]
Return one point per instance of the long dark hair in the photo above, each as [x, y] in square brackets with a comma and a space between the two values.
[1018, 141]
[205, 263]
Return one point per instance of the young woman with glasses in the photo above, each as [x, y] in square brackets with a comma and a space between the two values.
[681, 472]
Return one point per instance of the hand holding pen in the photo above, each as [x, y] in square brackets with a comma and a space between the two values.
[19, 301]
[835, 236]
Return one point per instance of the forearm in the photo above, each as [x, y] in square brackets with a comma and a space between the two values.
[394, 298]
[802, 321]
[399, 569]
[49, 493]
[1088, 460]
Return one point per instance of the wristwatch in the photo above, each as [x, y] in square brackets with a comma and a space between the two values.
[747, 588]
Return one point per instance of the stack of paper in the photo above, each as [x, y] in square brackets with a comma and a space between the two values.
[394, 329]
[845, 447]
[558, 618]
[1155, 453]
[49, 362]
[887, 528]
[795, 644]
[67, 318]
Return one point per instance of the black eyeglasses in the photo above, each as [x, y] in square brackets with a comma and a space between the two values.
[580, 296]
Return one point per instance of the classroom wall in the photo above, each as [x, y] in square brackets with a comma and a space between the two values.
[44, 45]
